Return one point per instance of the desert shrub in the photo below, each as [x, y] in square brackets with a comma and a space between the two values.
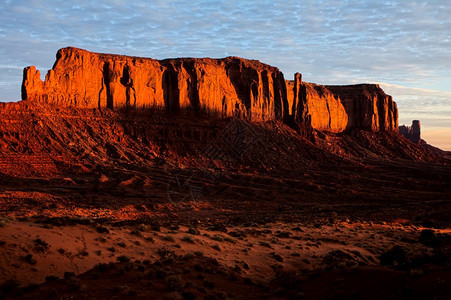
[4, 221]
[75, 285]
[41, 242]
[155, 227]
[338, 259]
[193, 230]
[29, 259]
[174, 283]
[237, 234]
[283, 234]
[161, 274]
[82, 221]
[69, 275]
[51, 278]
[229, 239]
[395, 257]
[166, 255]
[143, 227]
[135, 232]
[188, 256]
[123, 258]
[188, 238]
[199, 253]
[140, 268]
[102, 229]
[416, 272]
[217, 237]
[265, 244]
[277, 257]
[102, 267]
[169, 238]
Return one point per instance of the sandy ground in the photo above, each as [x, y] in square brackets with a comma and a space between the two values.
[30, 252]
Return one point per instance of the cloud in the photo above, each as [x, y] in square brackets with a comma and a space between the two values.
[432, 108]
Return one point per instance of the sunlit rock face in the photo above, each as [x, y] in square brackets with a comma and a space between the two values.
[314, 105]
[232, 86]
[367, 106]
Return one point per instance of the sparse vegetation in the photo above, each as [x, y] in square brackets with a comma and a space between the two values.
[29, 259]
[143, 227]
[199, 253]
[229, 239]
[188, 238]
[123, 258]
[193, 230]
[102, 229]
[166, 255]
[169, 238]
[217, 237]
[68, 275]
[264, 244]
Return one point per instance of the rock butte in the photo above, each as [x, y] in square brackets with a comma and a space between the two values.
[231, 86]
[412, 133]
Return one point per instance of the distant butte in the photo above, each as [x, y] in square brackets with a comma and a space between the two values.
[231, 86]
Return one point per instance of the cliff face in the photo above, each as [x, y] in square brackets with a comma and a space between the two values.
[314, 105]
[367, 107]
[231, 86]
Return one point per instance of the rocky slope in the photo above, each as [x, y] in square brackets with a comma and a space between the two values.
[231, 86]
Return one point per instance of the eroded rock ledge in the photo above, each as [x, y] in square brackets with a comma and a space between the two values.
[231, 86]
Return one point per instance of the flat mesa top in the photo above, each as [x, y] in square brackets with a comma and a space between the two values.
[70, 52]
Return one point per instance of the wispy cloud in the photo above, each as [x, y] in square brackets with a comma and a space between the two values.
[432, 108]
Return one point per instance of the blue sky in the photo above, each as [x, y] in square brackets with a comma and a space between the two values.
[403, 45]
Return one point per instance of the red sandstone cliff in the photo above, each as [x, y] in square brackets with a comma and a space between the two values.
[231, 86]
[367, 106]
[314, 105]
